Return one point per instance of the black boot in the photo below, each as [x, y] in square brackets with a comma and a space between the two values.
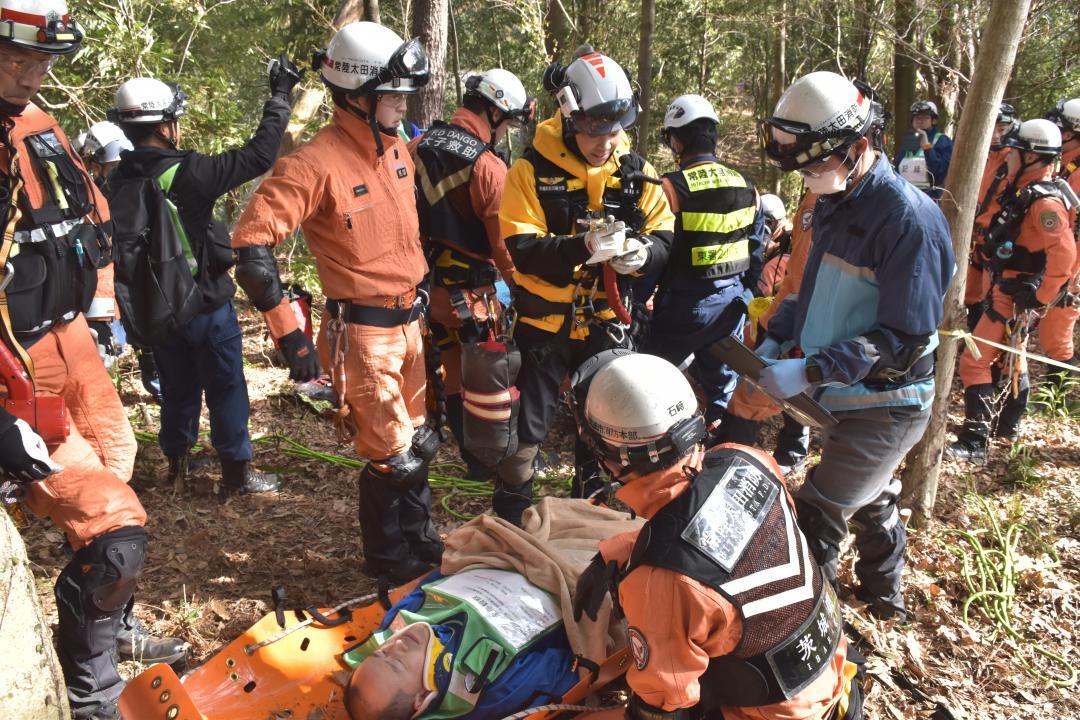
[792, 446]
[1012, 411]
[510, 502]
[386, 551]
[91, 594]
[239, 478]
[971, 442]
[881, 539]
[134, 642]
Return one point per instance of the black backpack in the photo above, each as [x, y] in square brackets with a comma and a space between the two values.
[155, 270]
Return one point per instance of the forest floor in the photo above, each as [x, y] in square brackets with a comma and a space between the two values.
[211, 565]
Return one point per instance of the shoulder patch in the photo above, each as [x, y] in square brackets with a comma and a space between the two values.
[1049, 219]
[807, 218]
[639, 647]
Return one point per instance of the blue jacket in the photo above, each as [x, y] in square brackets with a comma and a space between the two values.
[937, 157]
[541, 675]
[880, 265]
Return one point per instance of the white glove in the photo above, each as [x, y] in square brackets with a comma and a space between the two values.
[631, 262]
[920, 137]
[25, 456]
[605, 242]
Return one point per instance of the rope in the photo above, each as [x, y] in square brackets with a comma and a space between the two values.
[991, 575]
[559, 706]
[969, 341]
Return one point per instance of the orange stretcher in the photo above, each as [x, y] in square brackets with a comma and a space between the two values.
[293, 672]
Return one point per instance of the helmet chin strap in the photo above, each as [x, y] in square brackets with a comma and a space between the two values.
[377, 129]
[171, 142]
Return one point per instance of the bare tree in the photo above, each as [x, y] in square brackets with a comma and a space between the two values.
[430, 23]
[992, 68]
[903, 69]
[30, 675]
[648, 24]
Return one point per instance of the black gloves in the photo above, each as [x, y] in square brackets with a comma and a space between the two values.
[23, 455]
[595, 584]
[106, 346]
[301, 356]
[1025, 299]
[284, 76]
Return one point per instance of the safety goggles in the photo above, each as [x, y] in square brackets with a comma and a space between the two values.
[607, 118]
[19, 66]
[525, 115]
[406, 71]
[791, 145]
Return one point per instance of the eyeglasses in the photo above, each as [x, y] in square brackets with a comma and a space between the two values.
[15, 65]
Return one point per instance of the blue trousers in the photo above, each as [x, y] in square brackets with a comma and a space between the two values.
[687, 323]
[205, 356]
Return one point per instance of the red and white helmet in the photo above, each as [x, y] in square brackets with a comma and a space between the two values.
[367, 57]
[41, 25]
[596, 96]
[820, 114]
[147, 101]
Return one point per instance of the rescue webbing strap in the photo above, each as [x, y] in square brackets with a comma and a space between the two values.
[7, 332]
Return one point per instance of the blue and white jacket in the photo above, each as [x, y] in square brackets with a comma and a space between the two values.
[881, 260]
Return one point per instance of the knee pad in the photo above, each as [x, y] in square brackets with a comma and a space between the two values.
[398, 471]
[425, 443]
[114, 561]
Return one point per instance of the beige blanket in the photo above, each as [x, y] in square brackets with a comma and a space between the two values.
[559, 539]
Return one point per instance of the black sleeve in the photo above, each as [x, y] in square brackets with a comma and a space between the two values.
[551, 257]
[211, 176]
[659, 251]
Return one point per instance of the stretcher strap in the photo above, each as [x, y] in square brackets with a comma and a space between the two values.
[348, 604]
[970, 341]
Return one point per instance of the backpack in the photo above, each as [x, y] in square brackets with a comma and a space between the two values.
[154, 266]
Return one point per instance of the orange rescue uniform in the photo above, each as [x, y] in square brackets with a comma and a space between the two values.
[996, 179]
[1058, 327]
[1044, 229]
[90, 496]
[358, 213]
[697, 622]
[756, 406]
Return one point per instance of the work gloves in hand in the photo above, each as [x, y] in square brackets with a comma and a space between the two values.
[23, 455]
[301, 356]
[594, 584]
[102, 333]
[284, 75]
[631, 262]
[769, 349]
[920, 137]
[784, 378]
[607, 238]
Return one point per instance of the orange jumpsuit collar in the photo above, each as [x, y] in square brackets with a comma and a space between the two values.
[1033, 175]
[472, 122]
[359, 131]
[647, 494]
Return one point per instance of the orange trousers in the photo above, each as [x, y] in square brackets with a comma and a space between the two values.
[978, 372]
[978, 284]
[91, 495]
[1058, 327]
[442, 313]
[385, 384]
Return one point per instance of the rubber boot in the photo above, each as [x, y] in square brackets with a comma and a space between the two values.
[134, 642]
[1012, 411]
[880, 537]
[386, 552]
[510, 502]
[971, 442]
[239, 478]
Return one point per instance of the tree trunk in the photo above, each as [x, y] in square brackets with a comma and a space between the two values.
[648, 24]
[903, 69]
[778, 82]
[992, 69]
[556, 30]
[31, 682]
[430, 24]
[311, 98]
[371, 10]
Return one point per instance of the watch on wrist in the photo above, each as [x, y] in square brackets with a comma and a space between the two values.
[813, 371]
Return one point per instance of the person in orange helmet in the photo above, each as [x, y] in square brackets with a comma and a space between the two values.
[1032, 253]
[460, 179]
[351, 188]
[750, 627]
[56, 277]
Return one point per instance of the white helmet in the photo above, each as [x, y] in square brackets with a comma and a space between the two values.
[595, 94]
[41, 25]
[773, 207]
[1067, 114]
[103, 142]
[1039, 136]
[503, 90]
[365, 57]
[820, 114]
[146, 101]
[685, 109]
[642, 412]
[924, 107]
